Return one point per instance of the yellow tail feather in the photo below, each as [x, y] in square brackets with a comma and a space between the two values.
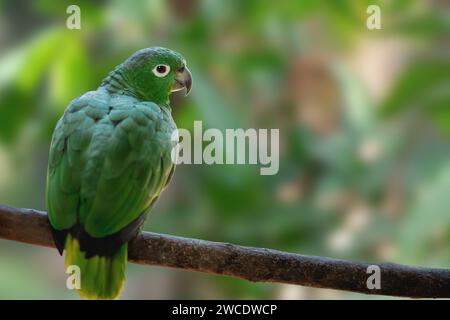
[101, 277]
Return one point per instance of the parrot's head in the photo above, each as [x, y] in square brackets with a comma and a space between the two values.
[154, 73]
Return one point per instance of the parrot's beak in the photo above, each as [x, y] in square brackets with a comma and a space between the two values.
[183, 79]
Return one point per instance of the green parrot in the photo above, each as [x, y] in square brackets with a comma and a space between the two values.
[110, 158]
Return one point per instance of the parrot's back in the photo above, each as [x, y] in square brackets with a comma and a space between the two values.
[110, 158]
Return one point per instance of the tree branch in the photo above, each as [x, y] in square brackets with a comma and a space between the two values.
[253, 264]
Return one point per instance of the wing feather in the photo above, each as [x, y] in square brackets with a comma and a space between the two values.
[109, 161]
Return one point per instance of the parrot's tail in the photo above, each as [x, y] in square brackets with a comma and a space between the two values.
[101, 277]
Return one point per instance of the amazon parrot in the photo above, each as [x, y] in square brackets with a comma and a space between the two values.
[110, 159]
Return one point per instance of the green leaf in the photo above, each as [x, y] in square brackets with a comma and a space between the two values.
[70, 73]
[423, 87]
[417, 82]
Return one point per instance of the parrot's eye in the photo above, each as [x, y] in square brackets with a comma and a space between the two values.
[161, 70]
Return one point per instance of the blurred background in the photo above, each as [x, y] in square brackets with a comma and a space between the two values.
[364, 123]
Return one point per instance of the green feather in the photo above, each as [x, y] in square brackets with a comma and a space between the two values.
[100, 277]
[109, 160]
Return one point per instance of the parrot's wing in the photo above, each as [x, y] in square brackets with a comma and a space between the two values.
[109, 161]
[128, 166]
[72, 134]
[66, 161]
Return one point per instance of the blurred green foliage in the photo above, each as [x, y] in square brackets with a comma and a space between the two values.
[364, 171]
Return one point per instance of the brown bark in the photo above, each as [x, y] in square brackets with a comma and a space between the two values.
[253, 264]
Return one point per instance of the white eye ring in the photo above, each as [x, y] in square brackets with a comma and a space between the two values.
[161, 70]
